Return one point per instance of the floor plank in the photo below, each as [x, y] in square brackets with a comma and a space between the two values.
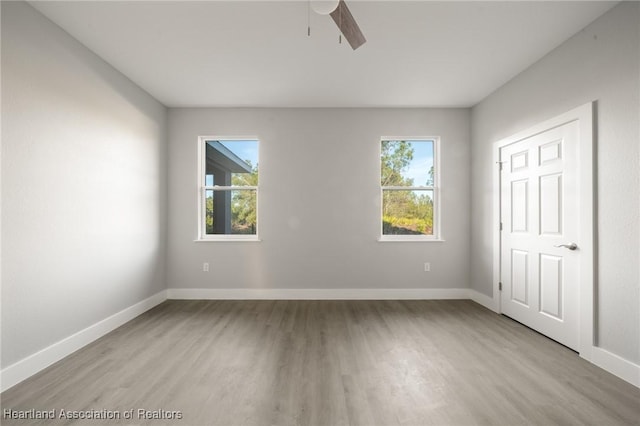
[328, 363]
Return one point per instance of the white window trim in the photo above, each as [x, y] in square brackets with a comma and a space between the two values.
[437, 184]
[201, 189]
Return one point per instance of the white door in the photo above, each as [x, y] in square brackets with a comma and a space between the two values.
[540, 241]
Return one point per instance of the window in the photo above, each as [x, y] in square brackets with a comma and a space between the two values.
[409, 180]
[228, 189]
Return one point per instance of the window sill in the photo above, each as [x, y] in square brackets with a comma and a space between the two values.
[229, 239]
[408, 239]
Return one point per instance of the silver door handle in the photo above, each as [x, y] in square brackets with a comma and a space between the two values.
[571, 246]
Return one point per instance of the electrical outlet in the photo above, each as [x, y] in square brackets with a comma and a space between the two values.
[427, 266]
[205, 267]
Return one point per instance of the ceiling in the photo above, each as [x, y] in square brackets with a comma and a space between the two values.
[257, 53]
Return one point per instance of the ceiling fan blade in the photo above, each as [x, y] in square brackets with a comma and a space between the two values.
[347, 24]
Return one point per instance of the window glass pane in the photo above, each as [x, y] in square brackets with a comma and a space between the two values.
[407, 163]
[407, 212]
[208, 211]
[232, 163]
[231, 212]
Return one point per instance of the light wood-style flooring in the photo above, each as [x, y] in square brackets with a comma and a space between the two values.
[329, 363]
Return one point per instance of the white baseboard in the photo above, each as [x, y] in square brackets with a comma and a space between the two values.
[29, 366]
[25, 368]
[616, 365]
[484, 300]
[318, 294]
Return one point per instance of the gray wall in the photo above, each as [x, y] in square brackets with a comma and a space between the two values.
[83, 187]
[319, 201]
[600, 63]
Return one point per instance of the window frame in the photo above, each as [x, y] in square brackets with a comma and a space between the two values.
[202, 189]
[436, 188]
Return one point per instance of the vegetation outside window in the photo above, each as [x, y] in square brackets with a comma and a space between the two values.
[410, 192]
[228, 182]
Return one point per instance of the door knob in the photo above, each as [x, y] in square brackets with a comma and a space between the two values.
[571, 246]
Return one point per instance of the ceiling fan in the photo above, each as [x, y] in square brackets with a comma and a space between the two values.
[342, 17]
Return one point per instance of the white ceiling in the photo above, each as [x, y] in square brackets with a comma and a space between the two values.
[242, 53]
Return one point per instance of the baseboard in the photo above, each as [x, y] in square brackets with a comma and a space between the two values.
[616, 365]
[318, 294]
[482, 299]
[25, 368]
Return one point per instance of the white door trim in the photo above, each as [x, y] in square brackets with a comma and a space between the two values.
[584, 116]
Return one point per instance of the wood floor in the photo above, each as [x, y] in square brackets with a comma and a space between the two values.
[328, 363]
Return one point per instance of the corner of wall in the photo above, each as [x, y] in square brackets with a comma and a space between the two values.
[27, 367]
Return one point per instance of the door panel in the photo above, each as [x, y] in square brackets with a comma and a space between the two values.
[519, 206]
[519, 161]
[551, 205]
[539, 207]
[520, 277]
[551, 285]
[550, 151]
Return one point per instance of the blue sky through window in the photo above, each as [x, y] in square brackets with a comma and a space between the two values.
[419, 167]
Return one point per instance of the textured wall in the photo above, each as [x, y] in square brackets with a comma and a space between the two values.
[319, 208]
[83, 187]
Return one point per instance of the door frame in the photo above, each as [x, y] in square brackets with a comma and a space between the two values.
[584, 115]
